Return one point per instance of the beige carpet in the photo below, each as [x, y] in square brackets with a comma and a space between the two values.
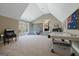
[32, 45]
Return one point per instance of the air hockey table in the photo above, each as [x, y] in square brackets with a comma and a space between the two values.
[65, 36]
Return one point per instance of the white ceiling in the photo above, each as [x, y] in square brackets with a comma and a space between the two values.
[13, 10]
[32, 11]
[43, 7]
[60, 10]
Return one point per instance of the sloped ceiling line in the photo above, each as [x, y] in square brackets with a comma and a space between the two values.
[60, 10]
[13, 10]
[32, 11]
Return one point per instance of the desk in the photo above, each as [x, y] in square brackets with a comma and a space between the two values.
[65, 36]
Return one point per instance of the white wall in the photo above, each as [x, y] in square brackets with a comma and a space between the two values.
[50, 17]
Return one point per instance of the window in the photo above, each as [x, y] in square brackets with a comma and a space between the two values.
[23, 27]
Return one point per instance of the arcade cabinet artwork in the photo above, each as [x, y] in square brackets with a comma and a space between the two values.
[73, 20]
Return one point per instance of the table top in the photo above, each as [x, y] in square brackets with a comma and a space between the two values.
[59, 34]
[64, 35]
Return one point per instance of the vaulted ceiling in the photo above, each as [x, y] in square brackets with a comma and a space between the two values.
[31, 11]
[13, 10]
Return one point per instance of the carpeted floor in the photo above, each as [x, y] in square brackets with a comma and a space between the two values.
[33, 45]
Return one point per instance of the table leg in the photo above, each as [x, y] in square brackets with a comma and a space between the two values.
[4, 41]
[71, 49]
[52, 50]
[16, 39]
